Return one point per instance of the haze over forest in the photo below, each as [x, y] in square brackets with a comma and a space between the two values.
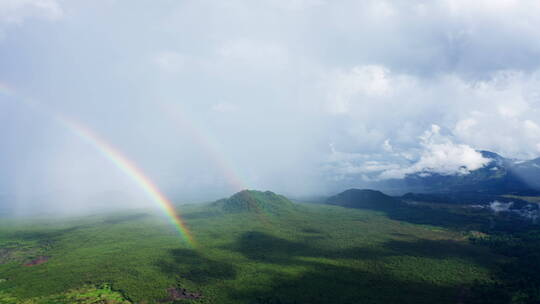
[303, 97]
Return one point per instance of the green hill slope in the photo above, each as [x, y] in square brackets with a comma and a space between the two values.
[255, 201]
[363, 198]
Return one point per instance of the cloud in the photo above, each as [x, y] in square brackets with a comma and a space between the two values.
[254, 54]
[528, 211]
[497, 206]
[440, 155]
[387, 146]
[370, 81]
[439, 36]
[532, 129]
[436, 154]
[462, 7]
[502, 114]
[498, 113]
[369, 77]
[346, 165]
[169, 61]
[14, 12]
[295, 5]
[224, 107]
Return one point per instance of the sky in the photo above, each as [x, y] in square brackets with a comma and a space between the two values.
[299, 96]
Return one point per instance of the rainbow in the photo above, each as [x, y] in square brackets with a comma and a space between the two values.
[132, 171]
[6, 89]
[117, 158]
[206, 142]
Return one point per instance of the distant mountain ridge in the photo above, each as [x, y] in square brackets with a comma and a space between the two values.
[363, 198]
[499, 176]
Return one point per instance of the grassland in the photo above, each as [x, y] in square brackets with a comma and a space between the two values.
[302, 253]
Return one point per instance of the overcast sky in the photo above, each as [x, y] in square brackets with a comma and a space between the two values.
[295, 96]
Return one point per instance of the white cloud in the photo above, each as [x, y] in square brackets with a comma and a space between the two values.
[344, 165]
[500, 114]
[461, 7]
[254, 54]
[169, 61]
[436, 154]
[497, 206]
[383, 9]
[532, 129]
[369, 76]
[294, 5]
[224, 107]
[497, 113]
[464, 126]
[15, 11]
[359, 83]
[387, 146]
[440, 155]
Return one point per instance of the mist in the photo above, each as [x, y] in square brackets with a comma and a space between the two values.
[303, 98]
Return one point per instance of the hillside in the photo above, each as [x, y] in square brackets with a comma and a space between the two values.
[255, 201]
[365, 198]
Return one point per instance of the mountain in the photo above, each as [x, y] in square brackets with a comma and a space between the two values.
[255, 201]
[499, 176]
[528, 172]
[363, 198]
